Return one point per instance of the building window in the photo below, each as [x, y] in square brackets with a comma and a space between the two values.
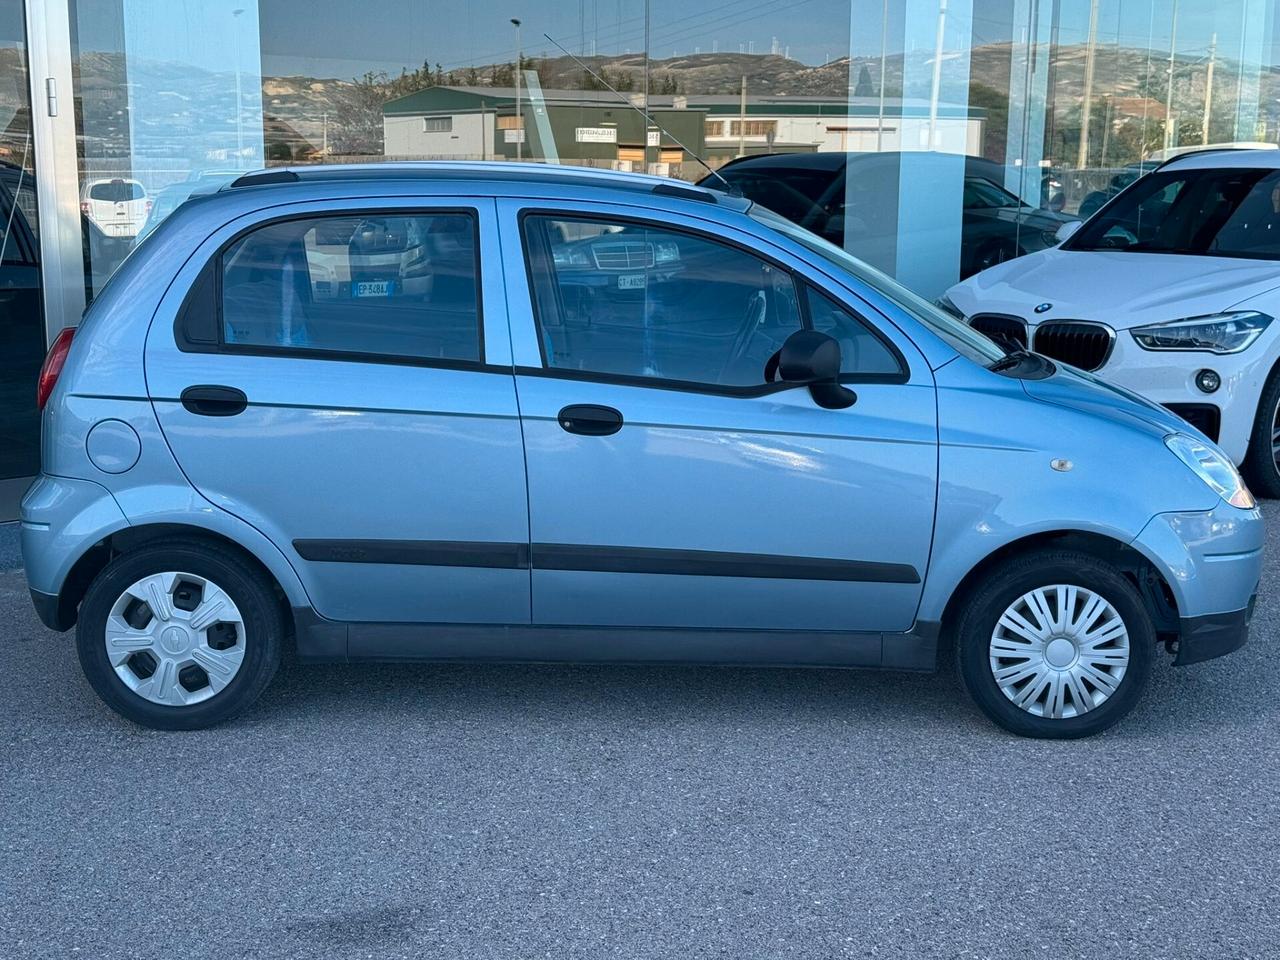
[511, 123]
[713, 128]
[437, 124]
[754, 128]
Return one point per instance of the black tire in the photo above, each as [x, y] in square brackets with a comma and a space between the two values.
[1002, 587]
[1259, 467]
[251, 592]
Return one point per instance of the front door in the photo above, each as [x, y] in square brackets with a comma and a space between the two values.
[669, 485]
[329, 381]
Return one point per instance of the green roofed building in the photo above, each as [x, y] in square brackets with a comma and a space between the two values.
[598, 127]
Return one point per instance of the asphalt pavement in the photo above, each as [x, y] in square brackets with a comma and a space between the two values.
[582, 812]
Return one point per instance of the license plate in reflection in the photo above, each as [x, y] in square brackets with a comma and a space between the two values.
[374, 288]
[631, 281]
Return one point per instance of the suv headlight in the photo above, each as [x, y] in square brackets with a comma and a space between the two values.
[1215, 333]
[1207, 463]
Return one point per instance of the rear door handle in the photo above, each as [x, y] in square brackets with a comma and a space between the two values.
[590, 420]
[208, 400]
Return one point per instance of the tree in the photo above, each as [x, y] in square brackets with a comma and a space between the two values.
[864, 87]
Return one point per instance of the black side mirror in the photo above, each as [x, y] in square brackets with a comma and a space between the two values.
[812, 359]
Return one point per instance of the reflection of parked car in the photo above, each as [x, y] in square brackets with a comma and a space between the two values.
[22, 333]
[168, 198]
[1171, 291]
[852, 201]
[118, 206]
[22, 342]
[1094, 200]
[775, 455]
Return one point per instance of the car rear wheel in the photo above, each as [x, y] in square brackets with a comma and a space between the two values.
[1261, 465]
[1056, 644]
[179, 635]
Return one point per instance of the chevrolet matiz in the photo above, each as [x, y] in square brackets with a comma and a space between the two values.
[512, 412]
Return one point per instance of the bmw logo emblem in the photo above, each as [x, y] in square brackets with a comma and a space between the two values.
[1043, 307]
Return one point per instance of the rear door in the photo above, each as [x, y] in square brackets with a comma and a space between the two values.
[339, 377]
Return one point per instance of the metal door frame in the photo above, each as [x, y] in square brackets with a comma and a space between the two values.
[53, 130]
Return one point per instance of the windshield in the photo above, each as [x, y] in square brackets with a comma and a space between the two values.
[984, 195]
[1232, 212]
[957, 334]
[116, 191]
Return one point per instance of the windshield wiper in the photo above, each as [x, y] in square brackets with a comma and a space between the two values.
[1027, 365]
[1012, 359]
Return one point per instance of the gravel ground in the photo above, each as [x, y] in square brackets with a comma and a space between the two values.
[491, 812]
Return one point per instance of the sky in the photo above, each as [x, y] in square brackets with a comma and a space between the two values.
[346, 38]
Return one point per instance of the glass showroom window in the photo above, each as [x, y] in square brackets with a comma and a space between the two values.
[1052, 106]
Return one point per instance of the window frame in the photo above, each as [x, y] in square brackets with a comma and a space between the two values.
[801, 283]
[202, 306]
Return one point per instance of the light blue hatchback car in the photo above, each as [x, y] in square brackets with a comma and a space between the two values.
[507, 412]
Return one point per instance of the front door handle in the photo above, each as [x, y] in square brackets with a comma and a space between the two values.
[208, 400]
[590, 420]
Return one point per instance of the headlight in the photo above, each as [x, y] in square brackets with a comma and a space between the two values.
[1218, 473]
[944, 304]
[1216, 333]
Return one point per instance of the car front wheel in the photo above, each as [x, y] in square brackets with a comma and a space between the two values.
[1261, 467]
[1056, 644]
[179, 635]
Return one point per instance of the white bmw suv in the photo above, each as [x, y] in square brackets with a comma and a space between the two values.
[1170, 290]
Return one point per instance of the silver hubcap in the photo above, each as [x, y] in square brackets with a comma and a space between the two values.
[1059, 651]
[175, 638]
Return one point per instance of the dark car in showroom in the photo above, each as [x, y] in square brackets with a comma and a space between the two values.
[851, 199]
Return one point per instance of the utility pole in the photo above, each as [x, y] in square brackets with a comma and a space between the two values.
[742, 120]
[1086, 108]
[1208, 90]
[235, 40]
[645, 93]
[519, 109]
[936, 92]
[324, 149]
[1168, 99]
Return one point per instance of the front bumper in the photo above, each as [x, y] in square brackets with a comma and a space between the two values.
[1212, 562]
[1213, 635]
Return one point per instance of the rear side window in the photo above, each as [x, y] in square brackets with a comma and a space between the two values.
[117, 191]
[393, 286]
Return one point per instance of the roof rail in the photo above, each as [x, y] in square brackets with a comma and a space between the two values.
[1199, 153]
[261, 177]
[689, 193]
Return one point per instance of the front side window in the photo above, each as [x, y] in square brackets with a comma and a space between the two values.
[862, 353]
[633, 300]
[956, 333]
[1233, 212]
[388, 285]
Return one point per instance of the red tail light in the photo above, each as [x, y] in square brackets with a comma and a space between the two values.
[53, 364]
